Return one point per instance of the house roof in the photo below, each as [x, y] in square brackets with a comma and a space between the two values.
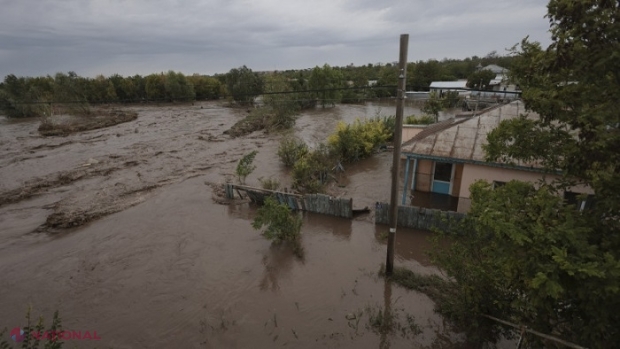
[495, 69]
[449, 84]
[462, 138]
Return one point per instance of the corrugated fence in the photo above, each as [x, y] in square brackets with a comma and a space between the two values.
[417, 217]
[317, 203]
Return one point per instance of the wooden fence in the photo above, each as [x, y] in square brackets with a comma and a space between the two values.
[417, 217]
[317, 203]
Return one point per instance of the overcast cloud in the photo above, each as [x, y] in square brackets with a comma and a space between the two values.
[90, 37]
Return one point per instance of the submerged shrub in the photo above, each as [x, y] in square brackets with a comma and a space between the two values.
[357, 141]
[291, 150]
[270, 183]
[389, 122]
[281, 224]
[419, 120]
[311, 172]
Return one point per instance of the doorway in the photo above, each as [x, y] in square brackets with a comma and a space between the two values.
[443, 174]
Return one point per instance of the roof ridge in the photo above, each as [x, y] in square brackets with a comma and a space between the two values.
[432, 129]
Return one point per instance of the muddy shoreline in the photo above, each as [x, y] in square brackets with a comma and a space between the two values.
[117, 229]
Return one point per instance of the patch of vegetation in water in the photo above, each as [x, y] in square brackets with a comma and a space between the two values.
[84, 123]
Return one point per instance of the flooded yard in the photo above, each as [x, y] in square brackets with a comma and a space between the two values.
[116, 228]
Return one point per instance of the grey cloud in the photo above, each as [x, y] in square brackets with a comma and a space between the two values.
[129, 37]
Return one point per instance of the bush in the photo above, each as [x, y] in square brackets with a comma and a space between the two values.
[419, 120]
[358, 140]
[269, 183]
[291, 150]
[281, 224]
[268, 118]
[311, 172]
[452, 99]
[389, 122]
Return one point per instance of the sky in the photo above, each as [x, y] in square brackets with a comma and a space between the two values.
[128, 37]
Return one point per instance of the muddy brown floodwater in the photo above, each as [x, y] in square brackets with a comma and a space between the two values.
[116, 228]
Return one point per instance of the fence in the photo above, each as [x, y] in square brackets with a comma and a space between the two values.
[417, 217]
[317, 203]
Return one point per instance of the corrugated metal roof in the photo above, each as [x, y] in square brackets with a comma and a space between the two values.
[449, 84]
[462, 138]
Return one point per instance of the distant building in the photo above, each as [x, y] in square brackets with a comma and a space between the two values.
[501, 82]
[416, 95]
[441, 87]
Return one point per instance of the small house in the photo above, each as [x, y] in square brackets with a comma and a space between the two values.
[444, 159]
[442, 87]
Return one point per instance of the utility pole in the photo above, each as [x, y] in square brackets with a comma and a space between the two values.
[398, 139]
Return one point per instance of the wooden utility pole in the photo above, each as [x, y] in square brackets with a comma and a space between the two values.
[398, 139]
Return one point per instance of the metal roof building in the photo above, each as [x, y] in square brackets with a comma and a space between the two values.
[461, 139]
[446, 85]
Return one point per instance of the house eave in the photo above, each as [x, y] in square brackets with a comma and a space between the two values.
[475, 162]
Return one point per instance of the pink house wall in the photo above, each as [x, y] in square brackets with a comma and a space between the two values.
[472, 173]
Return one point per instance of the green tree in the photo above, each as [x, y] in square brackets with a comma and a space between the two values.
[155, 87]
[178, 88]
[139, 82]
[423, 73]
[326, 83]
[25, 97]
[244, 85]
[480, 79]
[70, 91]
[281, 224]
[433, 105]
[388, 76]
[527, 255]
[245, 166]
[205, 87]
[283, 103]
[101, 90]
[120, 91]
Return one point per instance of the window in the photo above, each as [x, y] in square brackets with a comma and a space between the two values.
[443, 171]
[582, 201]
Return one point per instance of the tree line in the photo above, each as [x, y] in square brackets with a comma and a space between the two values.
[326, 85]
[37, 96]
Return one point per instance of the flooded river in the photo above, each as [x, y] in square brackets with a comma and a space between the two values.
[116, 229]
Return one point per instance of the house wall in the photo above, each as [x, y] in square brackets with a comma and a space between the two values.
[472, 173]
[424, 175]
[456, 184]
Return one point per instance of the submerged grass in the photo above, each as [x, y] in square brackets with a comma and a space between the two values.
[433, 286]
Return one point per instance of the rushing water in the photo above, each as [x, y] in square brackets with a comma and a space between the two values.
[161, 265]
